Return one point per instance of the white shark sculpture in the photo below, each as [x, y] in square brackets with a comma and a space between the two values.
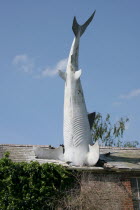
[79, 148]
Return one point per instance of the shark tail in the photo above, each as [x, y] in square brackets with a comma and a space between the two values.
[81, 28]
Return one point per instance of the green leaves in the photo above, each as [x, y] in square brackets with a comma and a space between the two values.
[107, 133]
[31, 185]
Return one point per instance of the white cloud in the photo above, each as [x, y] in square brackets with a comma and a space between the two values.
[26, 64]
[61, 65]
[131, 94]
[23, 63]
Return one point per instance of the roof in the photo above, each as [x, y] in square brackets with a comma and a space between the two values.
[112, 158]
[121, 158]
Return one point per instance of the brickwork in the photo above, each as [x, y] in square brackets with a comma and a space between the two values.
[128, 202]
[109, 191]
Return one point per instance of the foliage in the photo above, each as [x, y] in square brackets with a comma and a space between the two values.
[31, 185]
[110, 135]
[131, 144]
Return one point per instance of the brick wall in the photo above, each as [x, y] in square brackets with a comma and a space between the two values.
[105, 191]
[128, 202]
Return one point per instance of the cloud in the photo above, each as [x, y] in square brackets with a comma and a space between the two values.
[23, 63]
[26, 64]
[131, 94]
[50, 72]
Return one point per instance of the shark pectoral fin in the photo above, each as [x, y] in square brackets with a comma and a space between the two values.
[78, 74]
[93, 154]
[91, 118]
[62, 74]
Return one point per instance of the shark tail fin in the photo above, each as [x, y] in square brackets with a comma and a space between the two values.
[76, 27]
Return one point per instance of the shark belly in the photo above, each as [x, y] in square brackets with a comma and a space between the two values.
[77, 135]
[82, 137]
[67, 126]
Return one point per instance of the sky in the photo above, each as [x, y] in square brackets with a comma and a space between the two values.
[35, 39]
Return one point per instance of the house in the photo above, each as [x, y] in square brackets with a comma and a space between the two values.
[114, 182]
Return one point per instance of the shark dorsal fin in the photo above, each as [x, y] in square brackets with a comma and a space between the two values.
[91, 118]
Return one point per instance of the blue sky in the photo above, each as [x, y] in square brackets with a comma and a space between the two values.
[35, 39]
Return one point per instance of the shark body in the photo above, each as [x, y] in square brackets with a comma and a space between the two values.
[79, 148]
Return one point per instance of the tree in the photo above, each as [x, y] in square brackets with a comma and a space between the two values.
[131, 144]
[110, 134]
